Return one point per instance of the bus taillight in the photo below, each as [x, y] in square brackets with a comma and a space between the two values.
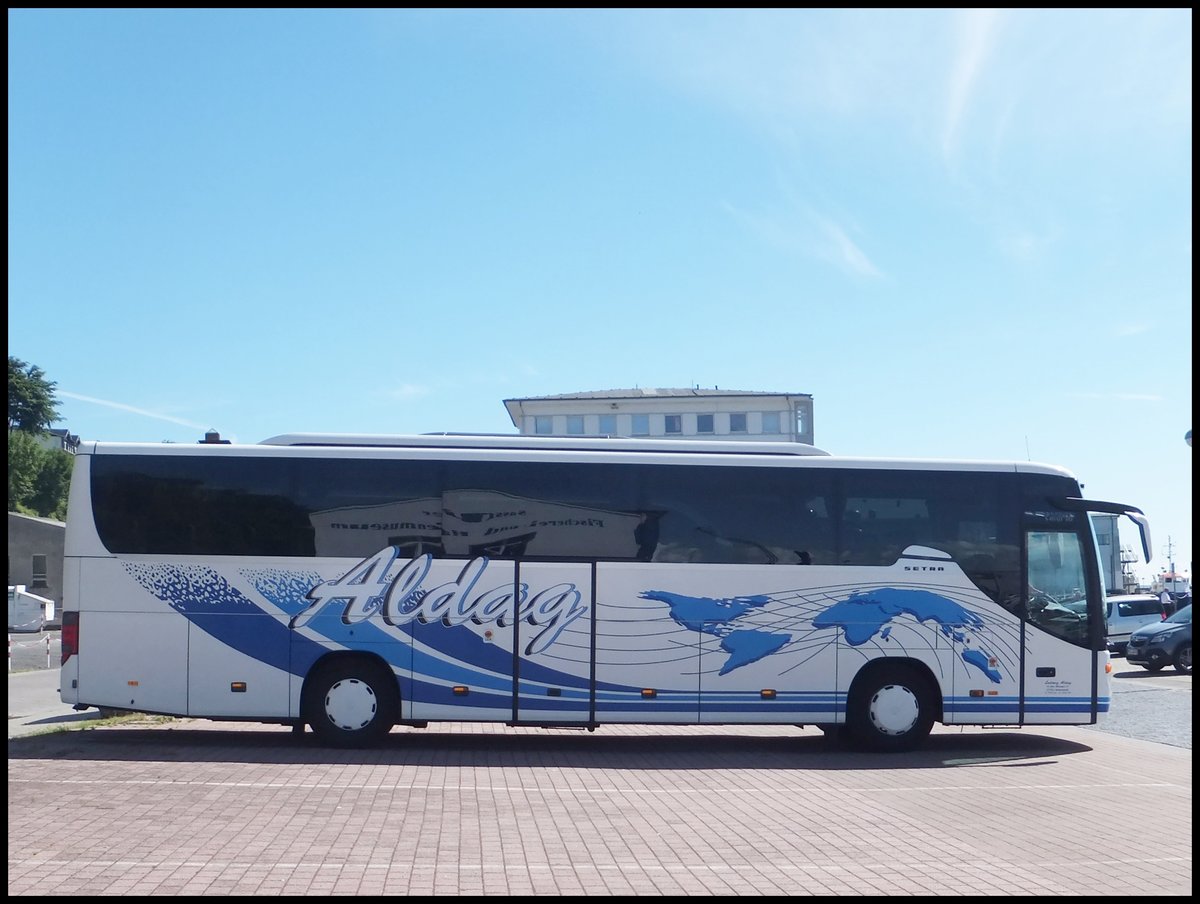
[70, 635]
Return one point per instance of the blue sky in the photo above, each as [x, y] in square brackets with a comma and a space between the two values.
[966, 233]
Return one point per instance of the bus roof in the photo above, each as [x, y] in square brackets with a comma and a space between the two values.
[552, 443]
[578, 448]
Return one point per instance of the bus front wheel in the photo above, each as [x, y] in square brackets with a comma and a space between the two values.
[351, 702]
[890, 709]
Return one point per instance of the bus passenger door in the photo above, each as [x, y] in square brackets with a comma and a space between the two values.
[1059, 668]
[647, 651]
[461, 617]
[553, 636]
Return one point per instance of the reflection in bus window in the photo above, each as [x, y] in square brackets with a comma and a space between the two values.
[1056, 585]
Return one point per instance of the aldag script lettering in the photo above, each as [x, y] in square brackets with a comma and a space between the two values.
[370, 588]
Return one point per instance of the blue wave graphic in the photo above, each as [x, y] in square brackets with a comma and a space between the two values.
[208, 601]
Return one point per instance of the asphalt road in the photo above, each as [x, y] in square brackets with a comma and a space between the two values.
[34, 651]
[1150, 706]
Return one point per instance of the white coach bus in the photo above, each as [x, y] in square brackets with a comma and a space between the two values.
[355, 583]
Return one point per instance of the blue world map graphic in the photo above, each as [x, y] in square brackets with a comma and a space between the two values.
[862, 616]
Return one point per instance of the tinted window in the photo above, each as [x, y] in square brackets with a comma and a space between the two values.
[1140, 607]
[1183, 616]
[212, 506]
[207, 505]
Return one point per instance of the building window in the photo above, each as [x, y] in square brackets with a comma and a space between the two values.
[674, 423]
[641, 425]
[575, 423]
[704, 423]
[608, 424]
[39, 572]
[770, 422]
[543, 423]
[737, 423]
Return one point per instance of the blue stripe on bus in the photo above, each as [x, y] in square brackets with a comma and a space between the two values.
[1085, 707]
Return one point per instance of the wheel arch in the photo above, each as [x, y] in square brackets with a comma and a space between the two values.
[922, 670]
[337, 657]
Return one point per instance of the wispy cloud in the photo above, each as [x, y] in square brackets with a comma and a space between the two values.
[132, 409]
[811, 234]
[767, 228]
[839, 249]
[977, 30]
[956, 80]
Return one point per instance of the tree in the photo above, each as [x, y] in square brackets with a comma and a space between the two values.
[38, 478]
[24, 463]
[32, 406]
[53, 484]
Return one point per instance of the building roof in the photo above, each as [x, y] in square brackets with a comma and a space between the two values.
[513, 441]
[638, 393]
[38, 518]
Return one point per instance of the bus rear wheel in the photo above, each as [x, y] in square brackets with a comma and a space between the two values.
[351, 702]
[890, 709]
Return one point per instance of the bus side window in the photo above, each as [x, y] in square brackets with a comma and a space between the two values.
[810, 534]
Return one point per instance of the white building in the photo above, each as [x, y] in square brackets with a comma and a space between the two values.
[1108, 539]
[58, 439]
[726, 414]
[35, 555]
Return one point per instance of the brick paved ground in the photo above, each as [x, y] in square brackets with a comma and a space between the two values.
[211, 808]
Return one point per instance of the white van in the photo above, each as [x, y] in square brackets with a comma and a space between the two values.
[1129, 612]
[27, 612]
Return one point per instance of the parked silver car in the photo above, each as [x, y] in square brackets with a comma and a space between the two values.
[1129, 612]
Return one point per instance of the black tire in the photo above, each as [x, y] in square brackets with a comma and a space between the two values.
[1183, 659]
[890, 709]
[351, 702]
[835, 735]
[1153, 666]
